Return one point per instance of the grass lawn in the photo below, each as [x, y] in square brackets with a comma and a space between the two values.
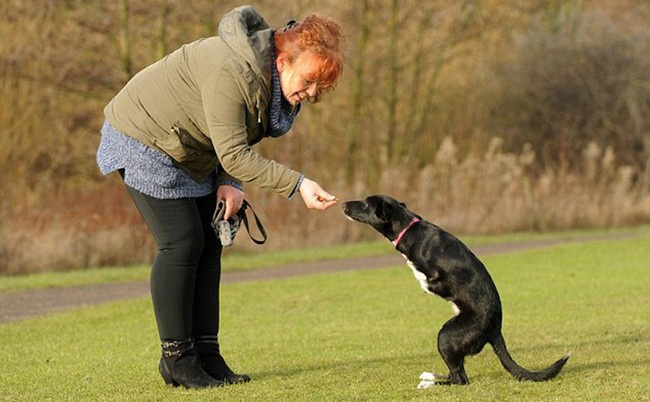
[364, 335]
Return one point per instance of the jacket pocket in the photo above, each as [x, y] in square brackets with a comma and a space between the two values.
[176, 145]
[190, 136]
[197, 159]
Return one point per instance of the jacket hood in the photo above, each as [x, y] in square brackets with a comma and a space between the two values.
[248, 34]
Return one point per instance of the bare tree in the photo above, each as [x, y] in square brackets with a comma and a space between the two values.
[357, 98]
[125, 41]
[164, 8]
[387, 140]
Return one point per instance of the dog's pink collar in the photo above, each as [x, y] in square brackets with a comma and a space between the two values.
[401, 234]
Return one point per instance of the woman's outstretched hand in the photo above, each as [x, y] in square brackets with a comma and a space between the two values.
[314, 196]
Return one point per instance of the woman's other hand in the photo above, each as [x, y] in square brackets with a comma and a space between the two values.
[314, 196]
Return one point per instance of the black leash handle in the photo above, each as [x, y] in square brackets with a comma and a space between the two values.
[246, 205]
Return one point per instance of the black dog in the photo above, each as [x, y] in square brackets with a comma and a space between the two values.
[445, 266]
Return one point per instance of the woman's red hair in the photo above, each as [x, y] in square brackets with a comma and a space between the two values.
[320, 37]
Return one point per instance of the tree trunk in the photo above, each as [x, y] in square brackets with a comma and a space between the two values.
[125, 41]
[355, 160]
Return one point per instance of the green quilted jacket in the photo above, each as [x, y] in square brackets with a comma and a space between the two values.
[207, 103]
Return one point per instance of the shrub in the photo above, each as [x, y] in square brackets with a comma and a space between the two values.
[584, 80]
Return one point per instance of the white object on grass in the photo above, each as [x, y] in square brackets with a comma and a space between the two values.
[428, 380]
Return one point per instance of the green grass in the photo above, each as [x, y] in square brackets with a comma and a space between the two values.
[364, 335]
[234, 261]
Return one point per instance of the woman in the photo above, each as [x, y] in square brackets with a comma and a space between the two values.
[180, 133]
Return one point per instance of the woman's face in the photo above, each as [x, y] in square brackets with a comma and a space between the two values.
[294, 77]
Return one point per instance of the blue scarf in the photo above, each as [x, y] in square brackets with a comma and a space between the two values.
[281, 113]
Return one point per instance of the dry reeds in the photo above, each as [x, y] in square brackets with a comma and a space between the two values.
[489, 193]
[565, 86]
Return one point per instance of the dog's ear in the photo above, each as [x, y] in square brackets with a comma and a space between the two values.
[384, 212]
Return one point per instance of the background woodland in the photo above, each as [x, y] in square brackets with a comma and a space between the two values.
[483, 116]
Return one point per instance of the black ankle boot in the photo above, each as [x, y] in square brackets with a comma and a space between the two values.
[179, 365]
[207, 347]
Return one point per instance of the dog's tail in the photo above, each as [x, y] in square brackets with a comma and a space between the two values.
[520, 373]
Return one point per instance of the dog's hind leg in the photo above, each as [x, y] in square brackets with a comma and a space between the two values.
[456, 365]
[455, 341]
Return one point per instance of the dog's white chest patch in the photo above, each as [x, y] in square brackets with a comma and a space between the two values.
[422, 278]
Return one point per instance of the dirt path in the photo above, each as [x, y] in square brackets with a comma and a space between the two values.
[34, 303]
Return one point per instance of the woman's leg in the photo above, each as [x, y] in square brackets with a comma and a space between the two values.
[177, 227]
[205, 318]
[205, 323]
[178, 230]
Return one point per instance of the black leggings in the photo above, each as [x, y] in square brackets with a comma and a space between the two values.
[187, 269]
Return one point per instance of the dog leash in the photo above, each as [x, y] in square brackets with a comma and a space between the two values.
[260, 228]
[226, 230]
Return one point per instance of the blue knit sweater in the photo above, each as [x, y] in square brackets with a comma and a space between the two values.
[146, 169]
